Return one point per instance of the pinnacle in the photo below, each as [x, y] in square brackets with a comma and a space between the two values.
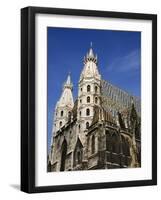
[68, 79]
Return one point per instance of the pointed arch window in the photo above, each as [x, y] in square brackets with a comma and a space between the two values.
[115, 144]
[125, 146]
[63, 155]
[96, 89]
[87, 111]
[108, 141]
[60, 123]
[79, 157]
[88, 99]
[69, 115]
[93, 144]
[80, 113]
[79, 127]
[61, 114]
[88, 88]
[87, 125]
[96, 100]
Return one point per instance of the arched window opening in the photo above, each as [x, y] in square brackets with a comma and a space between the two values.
[63, 155]
[115, 144]
[139, 154]
[79, 127]
[80, 100]
[61, 114]
[87, 125]
[60, 123]
[87, 111]
[96, 89]
[108, 141]
[96, 100]
[93, 145]
[69, 115]
[88, 88]
[78, 153]
[88, 99]
[79, 157]
[80, 113]
[125, 146]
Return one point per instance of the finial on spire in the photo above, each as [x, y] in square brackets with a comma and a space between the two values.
[90, 56]
[132, 100]
[68, 79]
[91, 44]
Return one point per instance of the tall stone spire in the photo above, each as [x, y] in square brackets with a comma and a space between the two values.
[64, 106]
[90, 65]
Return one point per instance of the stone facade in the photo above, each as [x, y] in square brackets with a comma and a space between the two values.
[100, 130]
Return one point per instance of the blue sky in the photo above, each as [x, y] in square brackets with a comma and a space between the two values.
[118, 60]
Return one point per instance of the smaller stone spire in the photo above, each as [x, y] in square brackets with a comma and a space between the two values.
[64, 106]
[68, 83]
[66, 98]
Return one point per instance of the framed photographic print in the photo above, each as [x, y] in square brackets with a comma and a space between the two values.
[88, 99]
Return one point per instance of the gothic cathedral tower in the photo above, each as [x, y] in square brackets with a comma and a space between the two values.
[89, 90]
[63, 106]
[61, 116]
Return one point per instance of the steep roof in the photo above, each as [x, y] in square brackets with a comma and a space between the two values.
[119, 97]
[100, 114]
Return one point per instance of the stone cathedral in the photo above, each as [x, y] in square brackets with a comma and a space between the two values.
[100, 130]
